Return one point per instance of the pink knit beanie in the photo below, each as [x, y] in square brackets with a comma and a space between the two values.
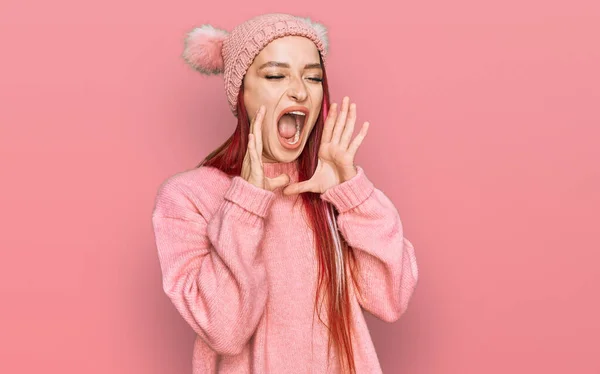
[210, 50]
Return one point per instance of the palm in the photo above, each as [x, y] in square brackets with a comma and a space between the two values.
[332, 162]
[332, 153]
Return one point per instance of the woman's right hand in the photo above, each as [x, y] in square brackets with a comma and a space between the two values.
[252, 166]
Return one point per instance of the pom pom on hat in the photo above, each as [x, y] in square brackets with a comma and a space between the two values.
[203, 49]
[320, 30]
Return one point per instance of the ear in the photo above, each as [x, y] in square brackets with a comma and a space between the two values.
[321, 31]
[203, 49]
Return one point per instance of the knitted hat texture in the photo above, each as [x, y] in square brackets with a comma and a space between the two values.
[211, 50]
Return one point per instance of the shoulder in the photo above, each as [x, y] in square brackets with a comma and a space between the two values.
[201, 179]
[199, 189]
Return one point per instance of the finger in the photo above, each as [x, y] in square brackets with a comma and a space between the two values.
[258, 130]
[356, 142]
[252, 149]
[341, 121]
[251, 145]
[245, 172]
[296, 188]
[279, 181]
[349, 129]
[252, 122]
[329, 122]
[254, 119]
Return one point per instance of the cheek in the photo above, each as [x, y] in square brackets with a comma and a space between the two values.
[317, 103]
[250, 103]
[256, 98]
[269, 134]
[317, 98]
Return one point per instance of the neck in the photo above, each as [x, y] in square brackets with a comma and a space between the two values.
[274, 169]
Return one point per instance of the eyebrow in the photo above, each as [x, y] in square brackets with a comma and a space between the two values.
[286, 65]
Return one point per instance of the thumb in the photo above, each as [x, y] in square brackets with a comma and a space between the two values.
[279, 181]
[296, 188]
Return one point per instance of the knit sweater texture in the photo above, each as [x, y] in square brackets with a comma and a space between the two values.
[239, 264]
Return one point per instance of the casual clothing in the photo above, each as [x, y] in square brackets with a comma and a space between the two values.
[239, 264]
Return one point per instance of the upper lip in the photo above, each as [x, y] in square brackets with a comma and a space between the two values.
[294, 109]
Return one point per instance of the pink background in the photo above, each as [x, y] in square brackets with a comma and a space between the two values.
[485, 131]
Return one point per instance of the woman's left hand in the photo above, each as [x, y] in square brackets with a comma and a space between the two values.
[336, 153]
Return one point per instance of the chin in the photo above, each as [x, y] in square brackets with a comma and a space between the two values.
[287, 156]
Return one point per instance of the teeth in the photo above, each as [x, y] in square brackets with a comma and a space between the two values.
[296, 136]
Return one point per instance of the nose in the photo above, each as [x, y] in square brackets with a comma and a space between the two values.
[297, 90]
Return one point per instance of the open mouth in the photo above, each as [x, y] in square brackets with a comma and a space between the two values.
[289, 127]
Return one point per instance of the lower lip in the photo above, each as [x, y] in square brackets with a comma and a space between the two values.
[287, 145]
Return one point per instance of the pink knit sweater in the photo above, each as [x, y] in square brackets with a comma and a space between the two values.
[239, 264]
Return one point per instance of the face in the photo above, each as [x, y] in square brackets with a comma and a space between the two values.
[285, 77]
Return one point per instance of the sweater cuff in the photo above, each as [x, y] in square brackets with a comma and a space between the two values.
[351, 193]
[253, 199]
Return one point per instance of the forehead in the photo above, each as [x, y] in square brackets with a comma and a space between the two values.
[290, 49]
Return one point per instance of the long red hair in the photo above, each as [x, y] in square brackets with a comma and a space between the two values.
[331, 249]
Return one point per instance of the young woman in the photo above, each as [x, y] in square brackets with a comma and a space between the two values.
[274, 245]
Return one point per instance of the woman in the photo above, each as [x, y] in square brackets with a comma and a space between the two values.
[278, 226]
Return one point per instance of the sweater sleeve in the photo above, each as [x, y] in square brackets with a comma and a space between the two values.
[370, 224]
[212, 269]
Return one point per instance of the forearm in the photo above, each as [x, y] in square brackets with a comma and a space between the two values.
[371, 225]
[212, 270]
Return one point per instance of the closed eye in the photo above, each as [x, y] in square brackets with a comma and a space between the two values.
[274, 77]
